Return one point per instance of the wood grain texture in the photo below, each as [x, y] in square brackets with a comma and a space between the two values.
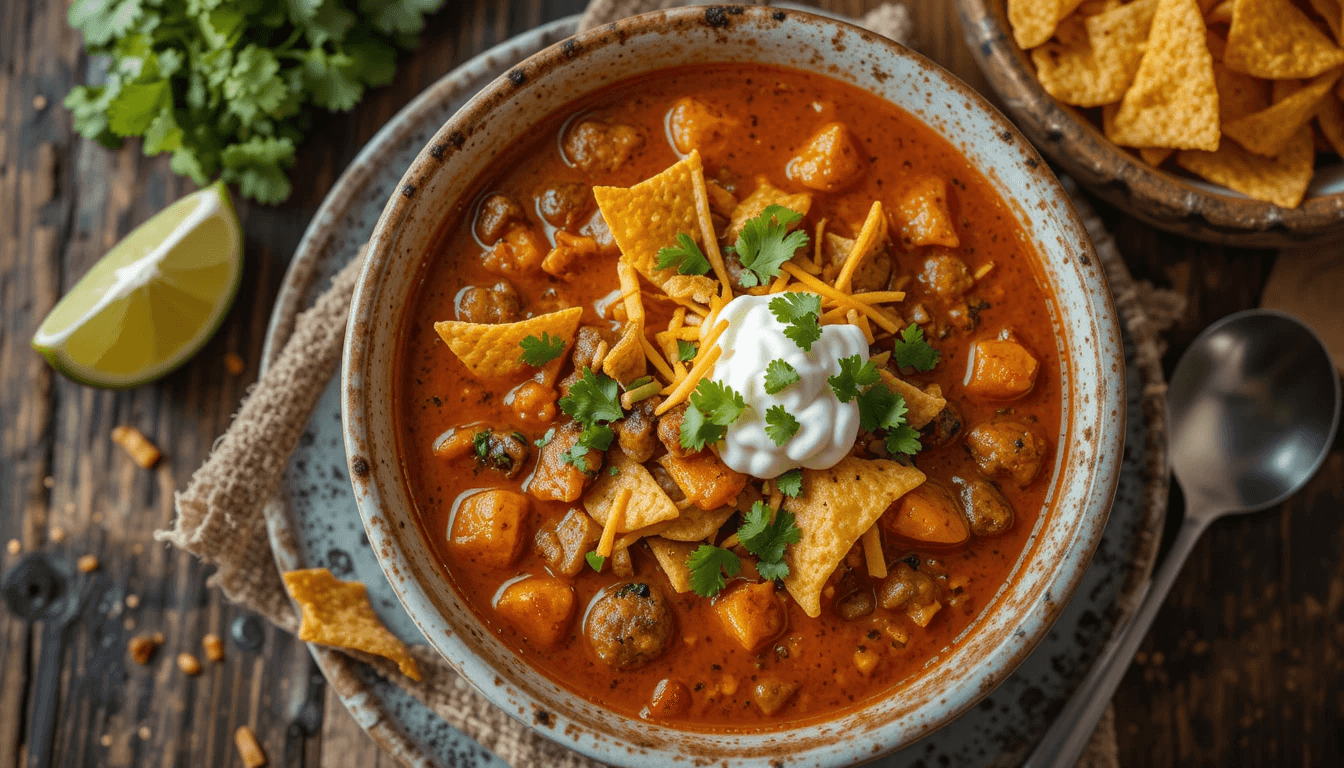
[1243, 667]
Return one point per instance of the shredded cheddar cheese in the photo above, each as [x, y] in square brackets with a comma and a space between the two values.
[843, 299]
[872, 552]
[615, 517]
[656, 358]
[873, 231]
[686, 386]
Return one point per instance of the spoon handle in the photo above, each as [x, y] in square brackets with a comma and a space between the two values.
[1065, 741]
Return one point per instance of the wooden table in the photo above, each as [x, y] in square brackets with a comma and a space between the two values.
[1245, 665]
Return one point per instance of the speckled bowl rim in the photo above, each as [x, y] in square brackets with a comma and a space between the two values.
[1160, 198]
[827, 742]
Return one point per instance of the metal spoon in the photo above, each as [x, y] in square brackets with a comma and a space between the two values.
[1254, 405]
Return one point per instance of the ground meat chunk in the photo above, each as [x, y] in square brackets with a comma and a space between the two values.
[989, 512]
[629, 625]
[1007, 449]
[494, 216]
[566, 205]
[635, 431]
[942, 429]
[669, 431]
[592, 146]
[944, 275]
[498, 303]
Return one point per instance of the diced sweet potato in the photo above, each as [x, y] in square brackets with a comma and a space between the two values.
[693, 124]
[489, 527]
[925, 216]
[929, 514]
[1001, 369]
[751, 614]
[557, 480]
[828, 161]
[705, 479]
[541, 609]
[563, 543]
[521, 249]
[772, 694]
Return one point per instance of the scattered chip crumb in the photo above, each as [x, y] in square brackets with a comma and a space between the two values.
[14, 546]
[87, 563]
[57, 535]
[188, 664]
[248, 748]
[214, 647]
[48, 482]
[143, 733]
[106, 740]
[140, 449]
[132, 601]
[142, 648]
[39, 102]
[234, 363]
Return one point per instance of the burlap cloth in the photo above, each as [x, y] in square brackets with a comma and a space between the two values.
[220, 519]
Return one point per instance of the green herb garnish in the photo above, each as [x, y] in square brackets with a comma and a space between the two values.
[538, 352]
[855, 372]
[765, 243]
[780, 425]
[766, 538]
[592, 399]
[801, 312]
[686, 257]
[779, 376]
[911, 351]
[544, 439]
[882, 409]
[598, 437]
[713, 407]
[790, 483]
[595, 561]
[686, 350]
[708, 564]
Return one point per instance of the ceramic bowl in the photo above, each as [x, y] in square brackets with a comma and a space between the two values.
[1088, 336]
[1183, 205]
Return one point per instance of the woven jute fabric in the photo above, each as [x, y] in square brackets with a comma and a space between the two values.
[220, 514]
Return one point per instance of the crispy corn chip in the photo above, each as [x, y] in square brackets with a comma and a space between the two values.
[492, 350]
[1330, 119]
[672, 556]
[1173, 101]
[837, 505]
[1093, 61]
[1155, 156]
[1280, 180]
[337, 613]
[764, 197]
[648, 216]
[1220, 13]
[1275, 40]
[1034, 21]
[922, 406]
[696, 524]
[1268, 131]
[625, 361]
[649, 504]
[1239, 95]
[1330, 11]
[697, 288]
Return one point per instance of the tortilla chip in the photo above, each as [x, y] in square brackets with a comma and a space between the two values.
[1275, 40]
[1330, 11]
[1067, 67]
[1238, 95]
[672, 556]
[1280, 180]
[696, 524]
[626, 362]
[1220, 13]
[836, 506]
[765, 196]
[1330, 119]
[649, 504]
[1268, 131]
[337, 613]
[1034, 21]
[697, 288]
[492, 349]
[1155, 156]
[1173, 101]
[648, 216]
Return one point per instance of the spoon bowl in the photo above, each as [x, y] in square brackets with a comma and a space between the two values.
[1254, 405]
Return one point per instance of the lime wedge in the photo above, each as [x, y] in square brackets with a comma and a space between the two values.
[153, 300]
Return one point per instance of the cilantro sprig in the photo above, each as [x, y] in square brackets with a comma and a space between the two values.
[779, 376]
[595, 561]
[855, 372]
[686, 256]
[911, 351]
[766, 539]
[780, 425]
[540, 351]
[801, 312]
[713, 408]
[686, 350]
[790, 483]
[882, 409]
[765, 243]
[230, 89]
[597, 437]
[708, 564]
[592, 401]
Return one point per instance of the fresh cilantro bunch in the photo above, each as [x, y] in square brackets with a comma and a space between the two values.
[227, 86]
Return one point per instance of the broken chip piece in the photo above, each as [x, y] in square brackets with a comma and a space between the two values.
[337, 613]
[489, 350]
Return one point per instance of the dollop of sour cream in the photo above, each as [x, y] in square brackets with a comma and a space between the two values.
[828, 427]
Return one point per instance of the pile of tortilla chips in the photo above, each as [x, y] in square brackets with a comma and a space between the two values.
[1243, 93]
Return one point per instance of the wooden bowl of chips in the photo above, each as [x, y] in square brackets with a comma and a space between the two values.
[1219, 121]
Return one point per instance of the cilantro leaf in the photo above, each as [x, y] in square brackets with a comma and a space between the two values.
[911, 351]
[597, 437]
[686, 350]
[480, 443]
[545, 439]
[593, 398]
[855, 372]
[686, 256]
[903, 439]
[780, 424]
[779, 376]
[790, 483]
[713, 407]
[880, 408]
[538, 352]
[765, 244]
[766, 538]
[708, 564]
[595, 561]
[801, 312]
